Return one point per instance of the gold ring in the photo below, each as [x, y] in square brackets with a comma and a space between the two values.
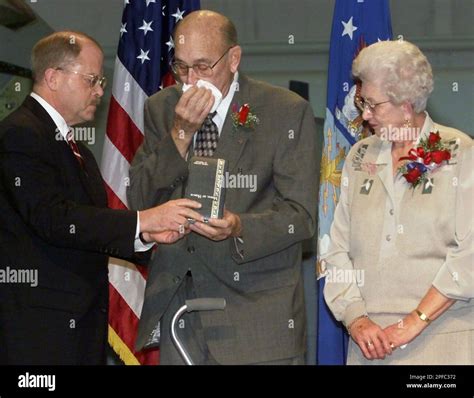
[369, 344]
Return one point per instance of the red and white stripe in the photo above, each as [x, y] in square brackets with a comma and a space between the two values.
[126, 280]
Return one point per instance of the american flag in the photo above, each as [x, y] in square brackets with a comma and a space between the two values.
[356, 23]
[141, 69]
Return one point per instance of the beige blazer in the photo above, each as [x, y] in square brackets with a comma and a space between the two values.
[390, 243]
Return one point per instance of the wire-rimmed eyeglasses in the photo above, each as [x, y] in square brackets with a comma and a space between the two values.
[201, 69]
[92, 79]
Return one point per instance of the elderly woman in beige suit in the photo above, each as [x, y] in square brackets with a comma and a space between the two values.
[404, 222]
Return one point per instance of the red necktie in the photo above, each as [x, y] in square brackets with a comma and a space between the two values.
[75, 150]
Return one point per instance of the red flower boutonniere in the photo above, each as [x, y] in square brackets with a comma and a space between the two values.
[429, 155]
[242, 116]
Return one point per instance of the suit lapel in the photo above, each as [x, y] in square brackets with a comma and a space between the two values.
[89, 180]
[233, 140]
[43, 116]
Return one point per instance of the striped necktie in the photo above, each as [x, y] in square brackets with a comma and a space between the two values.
[207, 137]
[74, 148]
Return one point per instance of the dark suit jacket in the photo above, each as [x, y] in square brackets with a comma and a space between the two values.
[264, 319]
[53, 220]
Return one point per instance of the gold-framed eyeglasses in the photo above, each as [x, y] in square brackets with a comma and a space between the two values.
[201, 69]
[92, 79]
[364, 104]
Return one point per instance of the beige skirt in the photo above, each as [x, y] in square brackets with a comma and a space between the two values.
[451, 348]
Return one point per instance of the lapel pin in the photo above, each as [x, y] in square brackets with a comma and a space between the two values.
[366, 186]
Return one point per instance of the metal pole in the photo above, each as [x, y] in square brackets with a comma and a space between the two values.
[175, 337]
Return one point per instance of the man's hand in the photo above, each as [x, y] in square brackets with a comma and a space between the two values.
[372, 340]
[219, 229]
[170, 216]
[190, 112]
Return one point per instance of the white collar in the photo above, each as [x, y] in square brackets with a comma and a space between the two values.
[55, 115]
[223, 108]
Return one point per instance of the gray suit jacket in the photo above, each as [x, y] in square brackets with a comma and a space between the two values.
[264, 319]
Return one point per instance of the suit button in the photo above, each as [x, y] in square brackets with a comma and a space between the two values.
[391, 212]
[191, 249]
[104, 310]
[176, 279]
[389, 238]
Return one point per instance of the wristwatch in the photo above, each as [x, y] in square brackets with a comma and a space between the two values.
[423, 316]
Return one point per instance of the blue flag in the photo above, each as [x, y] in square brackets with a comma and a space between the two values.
[356, 24]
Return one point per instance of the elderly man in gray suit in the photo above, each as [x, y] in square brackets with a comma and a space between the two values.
[252, 256]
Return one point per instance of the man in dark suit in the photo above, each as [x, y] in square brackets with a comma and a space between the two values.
[252, 256]
[56, 231]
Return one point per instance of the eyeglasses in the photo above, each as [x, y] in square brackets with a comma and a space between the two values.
[201, 68]
[92, 79]
[364, 104]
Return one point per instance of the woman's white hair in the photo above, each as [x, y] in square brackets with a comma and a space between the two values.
[399, 68]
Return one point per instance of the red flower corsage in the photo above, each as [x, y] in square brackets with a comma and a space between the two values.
[429, 155]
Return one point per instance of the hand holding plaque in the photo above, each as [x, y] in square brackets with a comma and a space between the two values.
[206, 185]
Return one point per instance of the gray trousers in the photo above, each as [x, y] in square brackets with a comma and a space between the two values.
[189, 330]
[191, 334]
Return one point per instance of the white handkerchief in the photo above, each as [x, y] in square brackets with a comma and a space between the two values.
[215, 92]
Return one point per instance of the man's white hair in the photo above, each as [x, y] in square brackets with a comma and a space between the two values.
[399, 68]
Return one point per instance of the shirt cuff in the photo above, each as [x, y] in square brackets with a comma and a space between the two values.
[139, 246]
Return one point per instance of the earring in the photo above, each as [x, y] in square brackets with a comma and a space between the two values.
[407, 123]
